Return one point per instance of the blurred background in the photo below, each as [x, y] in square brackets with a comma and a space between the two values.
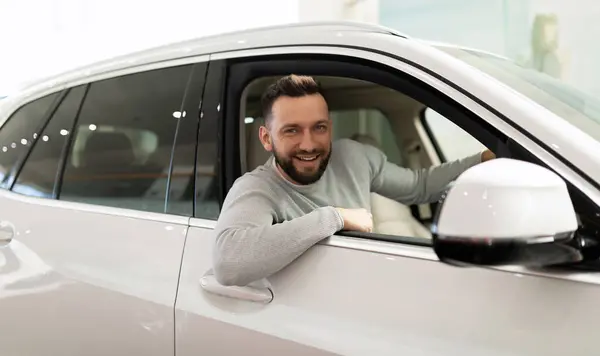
[43, 37]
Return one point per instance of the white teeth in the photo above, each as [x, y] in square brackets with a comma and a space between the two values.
[307, 158]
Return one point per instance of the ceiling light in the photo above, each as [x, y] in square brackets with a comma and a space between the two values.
[45, 138]
[249, 120]
[64, 132]
[93, 127]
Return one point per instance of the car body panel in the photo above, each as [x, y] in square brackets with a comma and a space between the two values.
[87, 280]
[351, 301]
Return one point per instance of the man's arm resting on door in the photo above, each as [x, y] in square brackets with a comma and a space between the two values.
[250, 247]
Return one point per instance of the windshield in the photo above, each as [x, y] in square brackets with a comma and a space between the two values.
[579, 108]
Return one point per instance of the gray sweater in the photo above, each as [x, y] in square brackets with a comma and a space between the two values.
[267, 222]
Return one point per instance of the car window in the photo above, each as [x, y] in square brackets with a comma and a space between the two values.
[19, 131]
[39, 173]
[451, 141]
[122, 144]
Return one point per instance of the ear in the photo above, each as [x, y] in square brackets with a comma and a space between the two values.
[265, 138]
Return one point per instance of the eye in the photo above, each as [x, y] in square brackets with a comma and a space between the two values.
[321, 127]
[290, 131]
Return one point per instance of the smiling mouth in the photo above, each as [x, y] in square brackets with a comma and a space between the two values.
[307, 158]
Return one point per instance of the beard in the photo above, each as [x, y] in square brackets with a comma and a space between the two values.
[287, 165]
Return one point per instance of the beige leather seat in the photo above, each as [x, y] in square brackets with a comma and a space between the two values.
[389, 216]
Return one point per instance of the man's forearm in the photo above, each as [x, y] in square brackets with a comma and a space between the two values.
[421, 185]
[246, 254]
[438, 177]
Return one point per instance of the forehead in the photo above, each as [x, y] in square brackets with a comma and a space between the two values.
[299, 110]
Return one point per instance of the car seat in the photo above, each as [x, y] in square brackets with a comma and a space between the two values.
[389, 216]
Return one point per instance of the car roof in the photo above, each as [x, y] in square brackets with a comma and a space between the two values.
[277, 35]
[259, 36]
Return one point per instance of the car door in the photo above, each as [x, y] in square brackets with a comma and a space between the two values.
[98, 194]
[357, 294]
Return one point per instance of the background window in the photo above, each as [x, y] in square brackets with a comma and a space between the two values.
[367, 126]
[17, 134]
[452, 142]
[38, 175]
[121, 151]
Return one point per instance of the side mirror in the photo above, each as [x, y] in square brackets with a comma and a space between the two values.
[506, 212]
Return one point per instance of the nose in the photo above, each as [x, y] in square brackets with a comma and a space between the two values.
[307, 142]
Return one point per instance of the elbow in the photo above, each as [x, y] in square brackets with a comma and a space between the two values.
[230, 265]
[228, 275]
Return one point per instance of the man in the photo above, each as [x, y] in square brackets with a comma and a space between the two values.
[310, 188]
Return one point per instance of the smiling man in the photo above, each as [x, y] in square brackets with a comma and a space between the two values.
[311, 187]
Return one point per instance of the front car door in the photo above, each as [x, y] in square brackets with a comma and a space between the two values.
[98, 191]
[383, 294]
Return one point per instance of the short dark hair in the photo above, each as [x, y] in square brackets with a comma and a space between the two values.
[291, 85]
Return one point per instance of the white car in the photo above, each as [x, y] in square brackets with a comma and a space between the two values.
[113, 177]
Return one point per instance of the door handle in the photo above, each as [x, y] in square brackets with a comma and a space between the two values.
[7, 232]
[258, 292]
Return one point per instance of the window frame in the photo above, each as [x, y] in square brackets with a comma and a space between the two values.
[194, 62]
[242, 71]
[477, 116]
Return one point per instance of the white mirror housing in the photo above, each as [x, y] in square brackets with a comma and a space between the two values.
[504, 203]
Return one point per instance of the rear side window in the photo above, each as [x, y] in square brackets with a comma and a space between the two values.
[38, 175]
[122, 145]
[18, 133]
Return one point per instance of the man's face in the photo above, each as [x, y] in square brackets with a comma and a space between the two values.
[299, 136]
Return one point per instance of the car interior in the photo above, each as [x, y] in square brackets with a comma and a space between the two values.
[371, 114]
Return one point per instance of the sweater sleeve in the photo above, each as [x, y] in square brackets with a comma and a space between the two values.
[249, 246]
[410, 186]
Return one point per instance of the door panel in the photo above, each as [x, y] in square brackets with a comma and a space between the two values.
[343, 300]
[357, 296]
[79, 281]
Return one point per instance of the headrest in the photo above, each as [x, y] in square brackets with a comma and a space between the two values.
[256, 154]
[108, 148]
[366, 139]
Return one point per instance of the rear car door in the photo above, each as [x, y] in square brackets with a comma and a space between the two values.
[96, 199]
[357, 294]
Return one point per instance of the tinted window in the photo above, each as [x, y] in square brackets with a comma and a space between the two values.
[19, 131]
[123, 140]
[39, 173]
